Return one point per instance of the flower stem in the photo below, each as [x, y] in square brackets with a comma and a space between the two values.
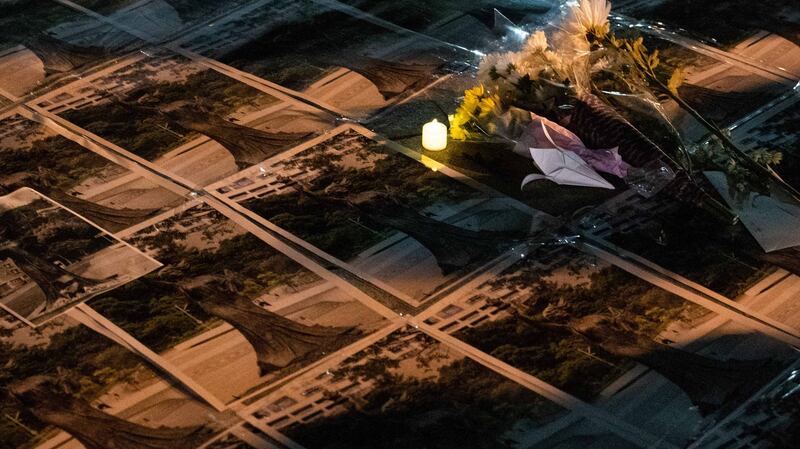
[735, 151]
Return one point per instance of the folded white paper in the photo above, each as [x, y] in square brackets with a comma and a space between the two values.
[774, 223]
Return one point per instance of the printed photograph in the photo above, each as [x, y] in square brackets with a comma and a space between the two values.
[152, 107]
[162, 20]
[64, 385]
[732, 262]
[43, 43]
[101, 191]
[356, 65]
[613, 339]
[409, 390]
[416, 231]
[227, 309]
[52, 259]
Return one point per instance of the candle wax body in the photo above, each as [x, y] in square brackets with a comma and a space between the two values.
[434, 136]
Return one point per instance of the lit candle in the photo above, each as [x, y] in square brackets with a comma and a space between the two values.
[434, 136]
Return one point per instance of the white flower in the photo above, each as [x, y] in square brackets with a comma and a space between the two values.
[600, 65]
[487, 66]
[589, 17]
[537, 42]
[504, 65]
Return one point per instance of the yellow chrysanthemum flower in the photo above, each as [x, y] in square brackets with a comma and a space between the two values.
[477, 105]
[489, 105]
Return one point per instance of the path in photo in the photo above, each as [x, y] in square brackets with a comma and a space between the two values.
[53, 259]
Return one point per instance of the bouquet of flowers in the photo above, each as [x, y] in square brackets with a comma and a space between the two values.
[584, 90]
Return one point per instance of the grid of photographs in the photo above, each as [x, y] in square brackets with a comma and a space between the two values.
[206, 244]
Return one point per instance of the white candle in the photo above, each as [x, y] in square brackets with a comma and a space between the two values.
[434, 136]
